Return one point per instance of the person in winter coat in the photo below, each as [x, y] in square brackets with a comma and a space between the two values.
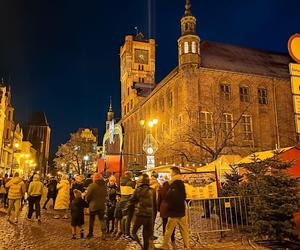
[143, 200]
[78, 184]
[16, 190]
[63, 197]
[163, 207]
[175, 199]
[127, 213]
[112, 189]
[77, 213]
[35, 191]
[154, 184]
[5, 196]
[52, 192]
[96, 197]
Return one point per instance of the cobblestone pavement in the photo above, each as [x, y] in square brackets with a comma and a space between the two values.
[56, 234]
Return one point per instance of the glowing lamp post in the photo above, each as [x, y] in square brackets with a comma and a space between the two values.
[150, 145]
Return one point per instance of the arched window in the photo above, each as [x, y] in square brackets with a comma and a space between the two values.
[180, 49]
[186, 47]
[193, 47]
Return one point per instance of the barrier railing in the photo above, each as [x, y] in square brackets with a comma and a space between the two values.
[219, 215]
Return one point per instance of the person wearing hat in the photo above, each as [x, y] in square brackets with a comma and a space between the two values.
[143, 200]
[35, 191]
[96, 197]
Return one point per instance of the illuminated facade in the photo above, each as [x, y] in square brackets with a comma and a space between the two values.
[250, 87]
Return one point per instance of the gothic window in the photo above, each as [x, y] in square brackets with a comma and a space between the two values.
[262, 96]
[170, 99]
[225, 90]
[227, 125]
[206, 124]
[194, 47]
[7, 133]
[186, 47]
[155, 106]
[162, 104]
[143, 80]
[247, 127]
[127, 107]
[180, 49]
[244, 94]
[127, 91]
[131, 103]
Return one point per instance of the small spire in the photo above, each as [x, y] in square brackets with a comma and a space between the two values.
[188, 5]
[110, 105]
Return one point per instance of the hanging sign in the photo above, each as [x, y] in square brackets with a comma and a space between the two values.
[294, 47]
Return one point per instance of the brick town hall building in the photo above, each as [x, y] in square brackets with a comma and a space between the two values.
[220, 99]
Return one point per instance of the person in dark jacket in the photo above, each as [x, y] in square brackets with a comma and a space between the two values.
[175, 199]
[143, 201]
[96, 197]
[87, 181]
[127, 211]
[77, 213]
[163, 207]
[112, 190]
[52, 192]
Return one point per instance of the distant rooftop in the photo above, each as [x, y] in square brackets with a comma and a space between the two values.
[245, 60]
[38, 119]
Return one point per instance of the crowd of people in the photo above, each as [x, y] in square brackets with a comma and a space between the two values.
[122, 209]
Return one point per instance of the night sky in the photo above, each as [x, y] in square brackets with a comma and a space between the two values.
[62, 56]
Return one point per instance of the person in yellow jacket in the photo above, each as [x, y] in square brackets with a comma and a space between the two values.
[35, 191]
[16, 190]
[62, 201]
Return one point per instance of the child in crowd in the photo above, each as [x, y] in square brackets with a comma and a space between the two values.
[77, 213]
[118, 216]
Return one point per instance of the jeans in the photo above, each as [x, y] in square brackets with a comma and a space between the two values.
[100, 214]
[16, 204]
[183, 227]
[34, 201]
[146, 222]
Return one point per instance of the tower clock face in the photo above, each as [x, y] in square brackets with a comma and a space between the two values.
[141, 56]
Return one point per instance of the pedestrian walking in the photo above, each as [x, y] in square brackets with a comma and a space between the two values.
[175, 199]
[143, 201]
[154, 184]
[16, 190]
[62, 201]
[35, 191]
[96, 197]
[112, 189]
[163, 207]
[77, 213]
[118, 216]
[52, 192]
[5, 196]
[127, 211]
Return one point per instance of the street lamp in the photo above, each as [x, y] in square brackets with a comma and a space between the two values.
[85, 158]
[150, 145]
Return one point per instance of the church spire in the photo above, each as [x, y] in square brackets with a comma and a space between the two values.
[110, 105]
[188, 5]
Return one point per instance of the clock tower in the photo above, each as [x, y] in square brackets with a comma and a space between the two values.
[137, 70]
[189, 42]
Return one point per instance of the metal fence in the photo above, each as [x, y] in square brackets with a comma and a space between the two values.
[220, 214]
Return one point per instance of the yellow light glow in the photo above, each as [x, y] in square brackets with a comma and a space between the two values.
[155, 121]
[150, 124]
[26, 161]
[17, 145]
[27, 155]
[21, 155]
[142, 122]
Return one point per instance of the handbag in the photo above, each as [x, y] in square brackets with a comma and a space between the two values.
[2, 190]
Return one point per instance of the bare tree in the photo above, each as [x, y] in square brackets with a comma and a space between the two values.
[71, 155]
[208, 130]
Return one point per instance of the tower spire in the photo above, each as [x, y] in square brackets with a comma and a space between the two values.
[188, 5]
[110, 105]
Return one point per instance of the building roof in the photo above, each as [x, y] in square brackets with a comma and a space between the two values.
[38, 119]
[244, 60]
[263, 155]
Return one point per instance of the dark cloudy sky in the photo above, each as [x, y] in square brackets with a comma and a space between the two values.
[62, 56]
